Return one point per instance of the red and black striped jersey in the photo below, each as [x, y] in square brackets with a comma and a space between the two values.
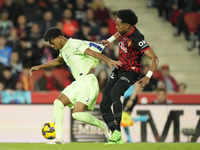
[131, 49]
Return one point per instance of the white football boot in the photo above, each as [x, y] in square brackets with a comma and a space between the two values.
[56, 141]
[106, 131]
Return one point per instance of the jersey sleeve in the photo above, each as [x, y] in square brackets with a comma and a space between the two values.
[81, 47]
[140, 43]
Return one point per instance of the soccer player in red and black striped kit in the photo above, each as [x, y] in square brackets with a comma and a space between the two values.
[132, 46]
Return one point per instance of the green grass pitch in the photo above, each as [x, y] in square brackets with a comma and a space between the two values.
[100, 146]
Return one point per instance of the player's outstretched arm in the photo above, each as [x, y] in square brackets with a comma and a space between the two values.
[110, 40]
[154, 63]
[103, 57]
[53, 63]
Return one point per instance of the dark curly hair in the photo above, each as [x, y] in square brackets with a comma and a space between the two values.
[127, 16]
[52, 33]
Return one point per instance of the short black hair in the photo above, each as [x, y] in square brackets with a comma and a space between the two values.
[127, 16]
[7, 68]
[52, 33]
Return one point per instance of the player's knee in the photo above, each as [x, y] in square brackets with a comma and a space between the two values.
[57, 103]
[105, 106]
[77, 116]
[115, 94]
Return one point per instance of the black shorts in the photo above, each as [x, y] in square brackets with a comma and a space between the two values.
[130, 76]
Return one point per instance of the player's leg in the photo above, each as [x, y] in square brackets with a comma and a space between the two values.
[106, 102]
[79, 114]
[59, 105]
[86, 99]
[125, 81]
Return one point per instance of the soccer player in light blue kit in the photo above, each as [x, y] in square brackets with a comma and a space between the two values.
[80, 56]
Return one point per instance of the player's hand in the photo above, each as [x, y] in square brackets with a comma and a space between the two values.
[35, 68]
[144, 81]
[115, 63]
[105, 42]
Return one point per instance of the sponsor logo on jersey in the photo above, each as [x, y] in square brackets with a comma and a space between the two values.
[121, 45]
[124, 78]
[143, 44]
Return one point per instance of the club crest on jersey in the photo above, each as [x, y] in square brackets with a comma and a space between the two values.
[129, 43]
[87, 100]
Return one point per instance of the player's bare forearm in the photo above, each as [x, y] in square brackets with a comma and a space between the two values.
[154, 59]
[154, 63]
[100, 56]
[53, 63]
[97, 55]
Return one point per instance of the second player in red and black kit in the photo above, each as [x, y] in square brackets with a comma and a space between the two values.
[132, 46]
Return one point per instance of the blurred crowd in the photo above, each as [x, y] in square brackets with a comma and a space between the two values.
[22, 26]
[184, 15]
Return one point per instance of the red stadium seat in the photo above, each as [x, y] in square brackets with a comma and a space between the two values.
[38, 74]
[192, 20]
[61, 74]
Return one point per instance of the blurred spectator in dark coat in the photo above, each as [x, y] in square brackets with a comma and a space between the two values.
[14, 10]
[84, 33]
[57, 7]
[104, 34]
[7, 80]
[101, 12]
[26, 52]
[79, 11]
[181, 7]
[5, 23]
[13, 39]
[22, 29]
[32, 11]
[46, 22]
[95, 28]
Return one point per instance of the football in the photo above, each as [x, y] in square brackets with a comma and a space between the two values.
[48, 130]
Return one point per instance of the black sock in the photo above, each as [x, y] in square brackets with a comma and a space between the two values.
[117, 106]
[109, 120]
